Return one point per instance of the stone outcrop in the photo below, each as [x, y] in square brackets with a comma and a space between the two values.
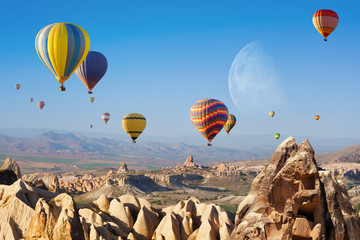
[10, 164]
[68, 184]
[292, 199]
[17, 204]
[123, 168]
[189, 162]
[56, 219]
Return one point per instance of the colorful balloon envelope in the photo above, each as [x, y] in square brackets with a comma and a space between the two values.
[92, 69]
[209, 117]
[271, 114]
[134, 124]
[316, 117]
[105, 117]
[41, 104]
[325, 21]
[31, 99]
[62, 47]
[17, 86]
[92, 99]
[230, 123]
[277, 135]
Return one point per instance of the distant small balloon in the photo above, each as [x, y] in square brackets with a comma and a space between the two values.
[105, 117]
[17, 86]
[41, 104]
[316, 117]
[31, 99]
[277, 135]
[271, 114]
[92, 99]
[91, 125]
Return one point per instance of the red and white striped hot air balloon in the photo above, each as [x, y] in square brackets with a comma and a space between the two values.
[325, 21]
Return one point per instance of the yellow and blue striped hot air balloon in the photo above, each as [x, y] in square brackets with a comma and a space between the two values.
[62, 47]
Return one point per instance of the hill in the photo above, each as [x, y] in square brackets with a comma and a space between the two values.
[79, 146]
[348, 154]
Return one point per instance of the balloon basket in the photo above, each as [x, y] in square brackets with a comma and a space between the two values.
[325, 40]
[208, 144]
[89, 92]
[62, 88]
[133, 141]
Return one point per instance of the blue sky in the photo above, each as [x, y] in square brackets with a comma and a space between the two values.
[165, 55]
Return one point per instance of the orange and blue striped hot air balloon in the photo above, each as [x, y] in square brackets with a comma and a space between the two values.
[62, 47]
[325, 21]
[41, 104]
[209, 117]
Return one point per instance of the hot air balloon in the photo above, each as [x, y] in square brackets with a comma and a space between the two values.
[316, 117]
[92, 99]
[41, 104]
[92, 69]
[134, 124]
[230, 123]
[325, 21]
[31, 99]
[209, 117]
[105, 117]
[62, 47]
[17, 86]
[271, 114]
[277, 135]
[91, 125]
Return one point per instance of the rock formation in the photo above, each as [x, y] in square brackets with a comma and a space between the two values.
[17, 204]
[56, 219]
[292, 199]
[123, 168]
[10, 164]
[189, 162]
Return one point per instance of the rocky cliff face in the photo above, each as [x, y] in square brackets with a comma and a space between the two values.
[10, 164]
[292, 199]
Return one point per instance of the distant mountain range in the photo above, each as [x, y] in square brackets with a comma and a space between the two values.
[62, 144]
[348, 154]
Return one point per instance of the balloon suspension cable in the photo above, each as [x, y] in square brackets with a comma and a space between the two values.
[133, 141]
[62, 88]
[89, 92]
[208, 144]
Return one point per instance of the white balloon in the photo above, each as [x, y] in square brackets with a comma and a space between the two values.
[254, 82]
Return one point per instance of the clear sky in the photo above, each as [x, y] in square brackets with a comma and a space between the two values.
[164, 56]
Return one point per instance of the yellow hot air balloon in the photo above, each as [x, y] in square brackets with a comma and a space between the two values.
[316, 117]
[134, 124]
[271, 114]
[230, 123]
[92, 99]
[62, 47]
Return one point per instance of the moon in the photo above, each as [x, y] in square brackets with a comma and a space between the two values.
[254, 82]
